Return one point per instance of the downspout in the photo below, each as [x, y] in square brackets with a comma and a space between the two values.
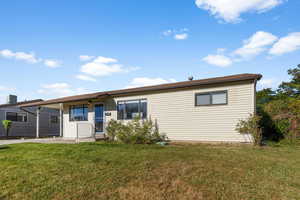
[38, 122]
[61, 120]
[255, 83]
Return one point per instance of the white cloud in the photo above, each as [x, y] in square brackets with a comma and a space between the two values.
[256, 44]
[177, 34]
[218, 60]
[52, 63]
[286, 44]
[267, 83]
[85, 78]
[105, 60]
[221, 50]
[60, 90]
[86, 57]
[230, 10]
[144, 81]
[28, 57]
[4, 91]
[182, 36]
[103, 66]
[167, 32]
[7, 53]
[101, 69]
[3, 88]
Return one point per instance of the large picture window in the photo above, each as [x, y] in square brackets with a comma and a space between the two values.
[16, 117]
[132, 108]
[79, 113]
[211, 98]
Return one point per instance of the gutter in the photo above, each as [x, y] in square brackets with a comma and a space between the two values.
[187, 84]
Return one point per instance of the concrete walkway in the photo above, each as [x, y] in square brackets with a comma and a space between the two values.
[44, 140]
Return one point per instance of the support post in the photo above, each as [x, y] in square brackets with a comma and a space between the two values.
[38, 122]
[61, 120]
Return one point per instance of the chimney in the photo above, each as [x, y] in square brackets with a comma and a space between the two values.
[11, 99]
[191, 78]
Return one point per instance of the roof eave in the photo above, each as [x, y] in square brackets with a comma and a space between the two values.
[186, 84]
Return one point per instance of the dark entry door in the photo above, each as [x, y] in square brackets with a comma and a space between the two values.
[99, 120]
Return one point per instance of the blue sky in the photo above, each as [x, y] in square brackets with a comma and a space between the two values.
[57, 48]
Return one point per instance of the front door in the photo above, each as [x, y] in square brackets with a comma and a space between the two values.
[99, 120]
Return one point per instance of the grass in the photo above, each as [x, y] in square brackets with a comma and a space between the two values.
[113, 171]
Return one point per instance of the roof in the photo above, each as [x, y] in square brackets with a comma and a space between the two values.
[21, 103]
[183, 84]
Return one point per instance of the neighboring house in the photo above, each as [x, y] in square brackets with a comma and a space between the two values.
[195, 110]
[24, 119]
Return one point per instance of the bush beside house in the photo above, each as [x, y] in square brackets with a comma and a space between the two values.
[134, 132]
[6, 125]
[251, 126]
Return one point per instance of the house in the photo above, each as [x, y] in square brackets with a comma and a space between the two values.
[24, 120]
[194, 110]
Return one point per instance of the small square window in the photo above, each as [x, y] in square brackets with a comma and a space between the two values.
[203, 99]
[219, 98]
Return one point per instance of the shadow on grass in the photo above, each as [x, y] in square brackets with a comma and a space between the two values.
[106, 144]
[3, 147]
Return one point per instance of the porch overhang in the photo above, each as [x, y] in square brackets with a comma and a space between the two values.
[56, 103]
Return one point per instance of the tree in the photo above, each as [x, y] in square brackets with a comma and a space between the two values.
[291, 88]
[265, 95]
[285, 114]
[280, 109]
[7, 125]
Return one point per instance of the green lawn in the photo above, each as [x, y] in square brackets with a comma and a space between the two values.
[112, 171]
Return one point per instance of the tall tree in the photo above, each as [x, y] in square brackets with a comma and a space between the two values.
[291, 88]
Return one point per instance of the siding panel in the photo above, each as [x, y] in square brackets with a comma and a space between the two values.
[180, 119]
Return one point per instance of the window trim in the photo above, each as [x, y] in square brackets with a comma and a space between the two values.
[210, 98]
[82, 106]
[139, 100]
[17, 113]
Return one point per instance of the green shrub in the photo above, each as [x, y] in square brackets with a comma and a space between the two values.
[112, 128]
[285, 114]
[251, 126]
[7, 125]
[134, 132]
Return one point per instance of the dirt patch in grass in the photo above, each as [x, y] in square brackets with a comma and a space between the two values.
[164, 182]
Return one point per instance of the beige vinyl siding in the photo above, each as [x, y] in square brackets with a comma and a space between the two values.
[177, 115]
[180, 119]
[70, 128]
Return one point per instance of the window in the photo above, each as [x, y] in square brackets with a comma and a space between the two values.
[16, 117]
[202, 99]
[211, 98]
[53, 119]
[79, 113]
[131, 109]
